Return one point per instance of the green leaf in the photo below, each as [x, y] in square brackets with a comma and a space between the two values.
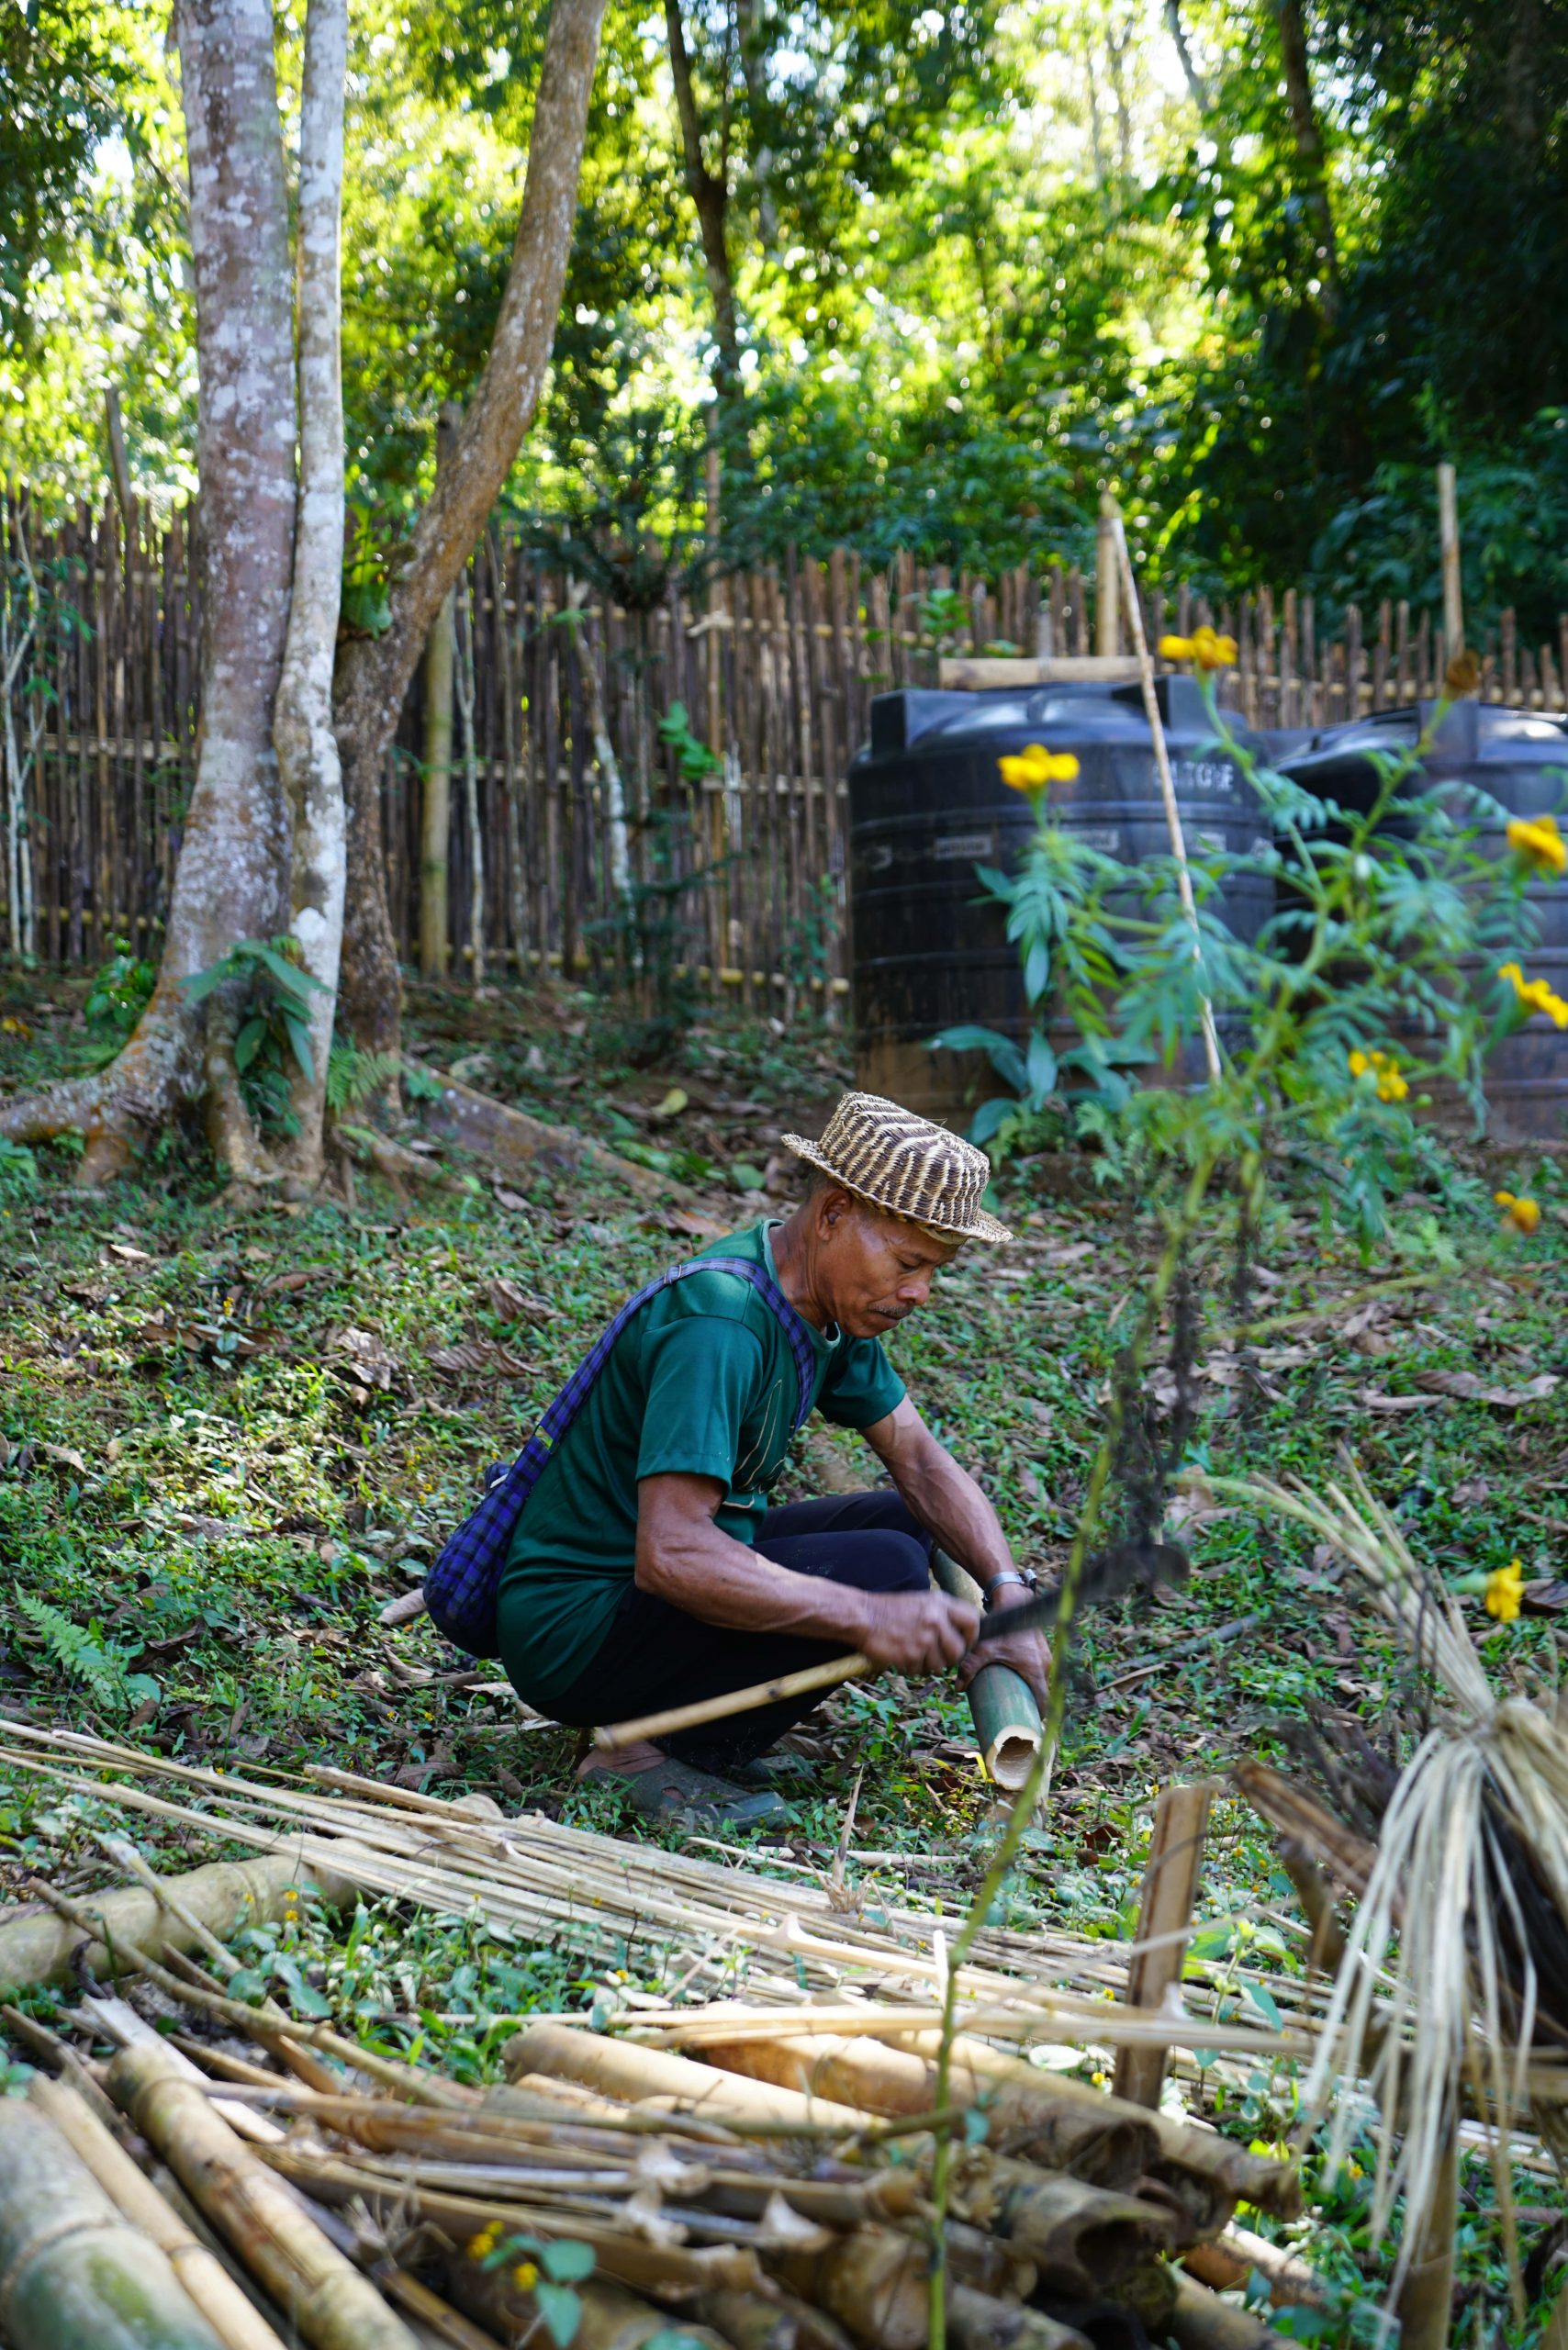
[749, 1177]
[289, 977]
[299, 1037]
[204, 983]
[568, 2263]
[1041, 1070]
[1264, 2002]
[249, 1041]
[561, 2310]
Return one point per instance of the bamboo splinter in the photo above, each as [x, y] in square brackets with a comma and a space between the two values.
[736, 1701]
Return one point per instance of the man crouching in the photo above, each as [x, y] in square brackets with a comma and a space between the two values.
[648, 1572]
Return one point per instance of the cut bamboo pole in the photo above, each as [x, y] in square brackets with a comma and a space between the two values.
[874, 2283]
[977, 2321]
[624, 2070]
[852, 1667]
[1165, 1917]
[428, 2310]
[1002, 1704]
[612, 2318]
[1082, 2134]
[1447, 541]
[73, 2269]
[1201, 2321]
[333, 2305]
[1107, 595]
[41, 1947]
[1167, 785]
[1273, 2187]
[1424, 2305]
[237, 2323]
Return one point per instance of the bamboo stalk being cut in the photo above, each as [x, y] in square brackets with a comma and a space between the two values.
[73, 2268]
[333, 2305]
[238, 2324]
[852, 1667]
[1001, 1704]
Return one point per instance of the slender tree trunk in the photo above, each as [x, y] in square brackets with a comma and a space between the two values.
[232, 880]
[373, 672]
[466, 701]
[753, 69]
[435, 796]
[709, 194]
[307, 746]
[1311, 168]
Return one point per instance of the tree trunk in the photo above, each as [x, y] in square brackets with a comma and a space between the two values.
[709, 194]
[435, 795]
[232, 880]
[466, 694]
[754, 70]
[1311, 171]
[373, 672]
[307, 746]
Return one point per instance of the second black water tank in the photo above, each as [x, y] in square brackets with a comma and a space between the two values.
[1520, 759]
[927, 805]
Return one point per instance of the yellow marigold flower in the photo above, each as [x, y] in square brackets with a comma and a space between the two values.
[1204, 648]
[1359, 1064]
[1504, 1591]
[1536, 995]
[1033, 768]
[1539, 841]
[484, 2241]
[526, 2275]
[1524, 1216]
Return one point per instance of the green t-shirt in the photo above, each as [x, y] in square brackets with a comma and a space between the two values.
[701, 1381]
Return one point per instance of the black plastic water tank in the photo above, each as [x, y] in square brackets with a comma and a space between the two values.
[927, 805]
[1520, 758]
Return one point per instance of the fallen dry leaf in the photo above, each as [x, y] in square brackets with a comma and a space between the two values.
[65, 1458]
[1372, 1399]
[131, 1256]
[1471, 1389]
[483, 1358]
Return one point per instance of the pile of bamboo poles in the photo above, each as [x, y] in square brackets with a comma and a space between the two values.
[186, 2192]
[716, 1930]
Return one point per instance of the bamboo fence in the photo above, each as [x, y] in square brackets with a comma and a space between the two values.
[775, 670]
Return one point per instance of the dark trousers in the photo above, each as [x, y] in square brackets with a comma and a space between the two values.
[657, 1656]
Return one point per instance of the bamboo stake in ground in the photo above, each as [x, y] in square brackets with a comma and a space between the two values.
[1169, 1889]
[333, 2305]
[1167, 786]
[852, 1667]
[237, 2323]
[73, 2269]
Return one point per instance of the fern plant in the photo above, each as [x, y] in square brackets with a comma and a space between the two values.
[354, 1077]
[102, 1669]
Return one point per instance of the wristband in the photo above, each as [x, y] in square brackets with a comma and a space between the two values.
[1008, 1574]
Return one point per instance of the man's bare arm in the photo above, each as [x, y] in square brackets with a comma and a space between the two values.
[944, 1497]
[684, 1558]
[949, 1505]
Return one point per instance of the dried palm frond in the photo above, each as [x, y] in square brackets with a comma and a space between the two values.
[1462, 1926]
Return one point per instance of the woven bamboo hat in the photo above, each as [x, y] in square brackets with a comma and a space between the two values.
[906, 1166]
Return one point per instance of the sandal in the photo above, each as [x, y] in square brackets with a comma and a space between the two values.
[678, 1792]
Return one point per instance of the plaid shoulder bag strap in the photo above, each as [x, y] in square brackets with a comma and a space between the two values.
[462, 1586]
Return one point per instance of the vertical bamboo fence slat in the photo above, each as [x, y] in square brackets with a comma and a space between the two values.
[775, 670]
